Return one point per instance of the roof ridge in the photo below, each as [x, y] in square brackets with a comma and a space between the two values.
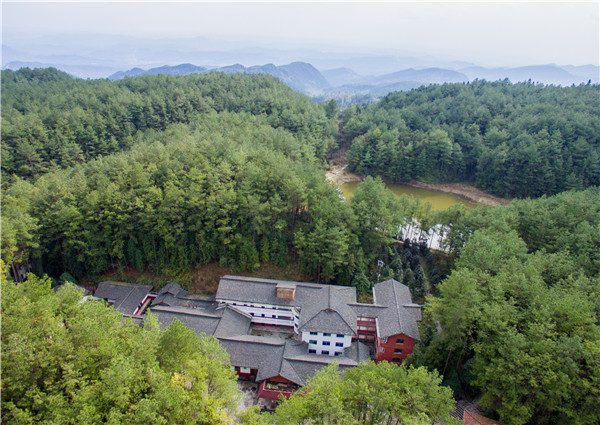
[367, 305]
[127, 296]
[397, 305]
[183, 310]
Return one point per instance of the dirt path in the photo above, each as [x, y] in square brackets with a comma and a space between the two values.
[338, 175]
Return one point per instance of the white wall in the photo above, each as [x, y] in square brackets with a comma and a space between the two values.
[316, 342]
[284, 316]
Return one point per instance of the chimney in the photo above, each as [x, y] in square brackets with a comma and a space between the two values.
[286, 290]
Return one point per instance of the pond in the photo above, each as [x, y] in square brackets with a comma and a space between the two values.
[439, 200]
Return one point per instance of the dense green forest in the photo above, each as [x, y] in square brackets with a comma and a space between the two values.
[514, 140]
[520, 311]
[168, 173]
[71, 362]
[51, 120]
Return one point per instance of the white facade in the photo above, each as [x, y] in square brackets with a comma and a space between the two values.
[326, 343]
[268, 314]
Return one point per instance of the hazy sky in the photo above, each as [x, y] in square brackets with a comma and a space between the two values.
[495, 33]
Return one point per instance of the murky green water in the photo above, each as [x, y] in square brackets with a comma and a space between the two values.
[439, 200]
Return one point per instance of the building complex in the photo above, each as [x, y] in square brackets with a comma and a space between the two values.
[279, 333]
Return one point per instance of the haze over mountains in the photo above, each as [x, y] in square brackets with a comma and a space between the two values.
[320, 74]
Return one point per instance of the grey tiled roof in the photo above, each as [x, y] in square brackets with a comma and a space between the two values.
[297, 365]
[233, 322]
[201, 321]
[396, 319]
[328, 321]
[327, 310]
[367, 310]
[170, 294]
[126, 297]
[251, 353]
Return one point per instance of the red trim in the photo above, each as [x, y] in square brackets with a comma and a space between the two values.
[270, 394]
[147, 299]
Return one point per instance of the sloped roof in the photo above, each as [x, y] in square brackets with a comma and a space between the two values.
[233, 322]
[399, 317]
[200, 320]
[126, 297]
[328, 311]
[297, 365]
[169, 294]
[252, 353]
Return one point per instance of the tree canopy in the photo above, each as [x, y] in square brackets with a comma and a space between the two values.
[520, 311]
[370, 393]
[73, 362]
[514, 140]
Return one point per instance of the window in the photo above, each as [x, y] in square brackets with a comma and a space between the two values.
[325, 352]
[399, 341]
[326, 334]
[326, 343]
[312, 351]
[398, 350]
[251, 314]
[339, 335]
[312, 341]
[314, 333]
[339, 344]
[338, 353]
[262, 315]
[396, 360]
[273, 316]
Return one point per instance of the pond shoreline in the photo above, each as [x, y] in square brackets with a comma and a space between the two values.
[463, 190]
[338, 175]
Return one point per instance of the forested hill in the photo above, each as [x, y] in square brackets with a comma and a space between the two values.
[51, 120]
[513, 140]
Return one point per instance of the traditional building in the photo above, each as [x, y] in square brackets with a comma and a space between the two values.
[279, 333]
[131, 300]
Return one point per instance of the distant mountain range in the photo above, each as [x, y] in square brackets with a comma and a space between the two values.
[317, 71]
[300, 76]
[305, 78]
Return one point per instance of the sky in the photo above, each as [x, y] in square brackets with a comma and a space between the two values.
[493, 33]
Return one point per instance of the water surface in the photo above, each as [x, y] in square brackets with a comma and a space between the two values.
[439, 200]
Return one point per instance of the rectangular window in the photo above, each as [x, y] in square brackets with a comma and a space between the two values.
[325, 352]
[339, 335]
[314, 333]
[396, 360]
[312, 341]
[399, 341]
[398, 351]
[326, 334]
[312, 351]
[326, 343]
[337, 353]
[339, 344]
